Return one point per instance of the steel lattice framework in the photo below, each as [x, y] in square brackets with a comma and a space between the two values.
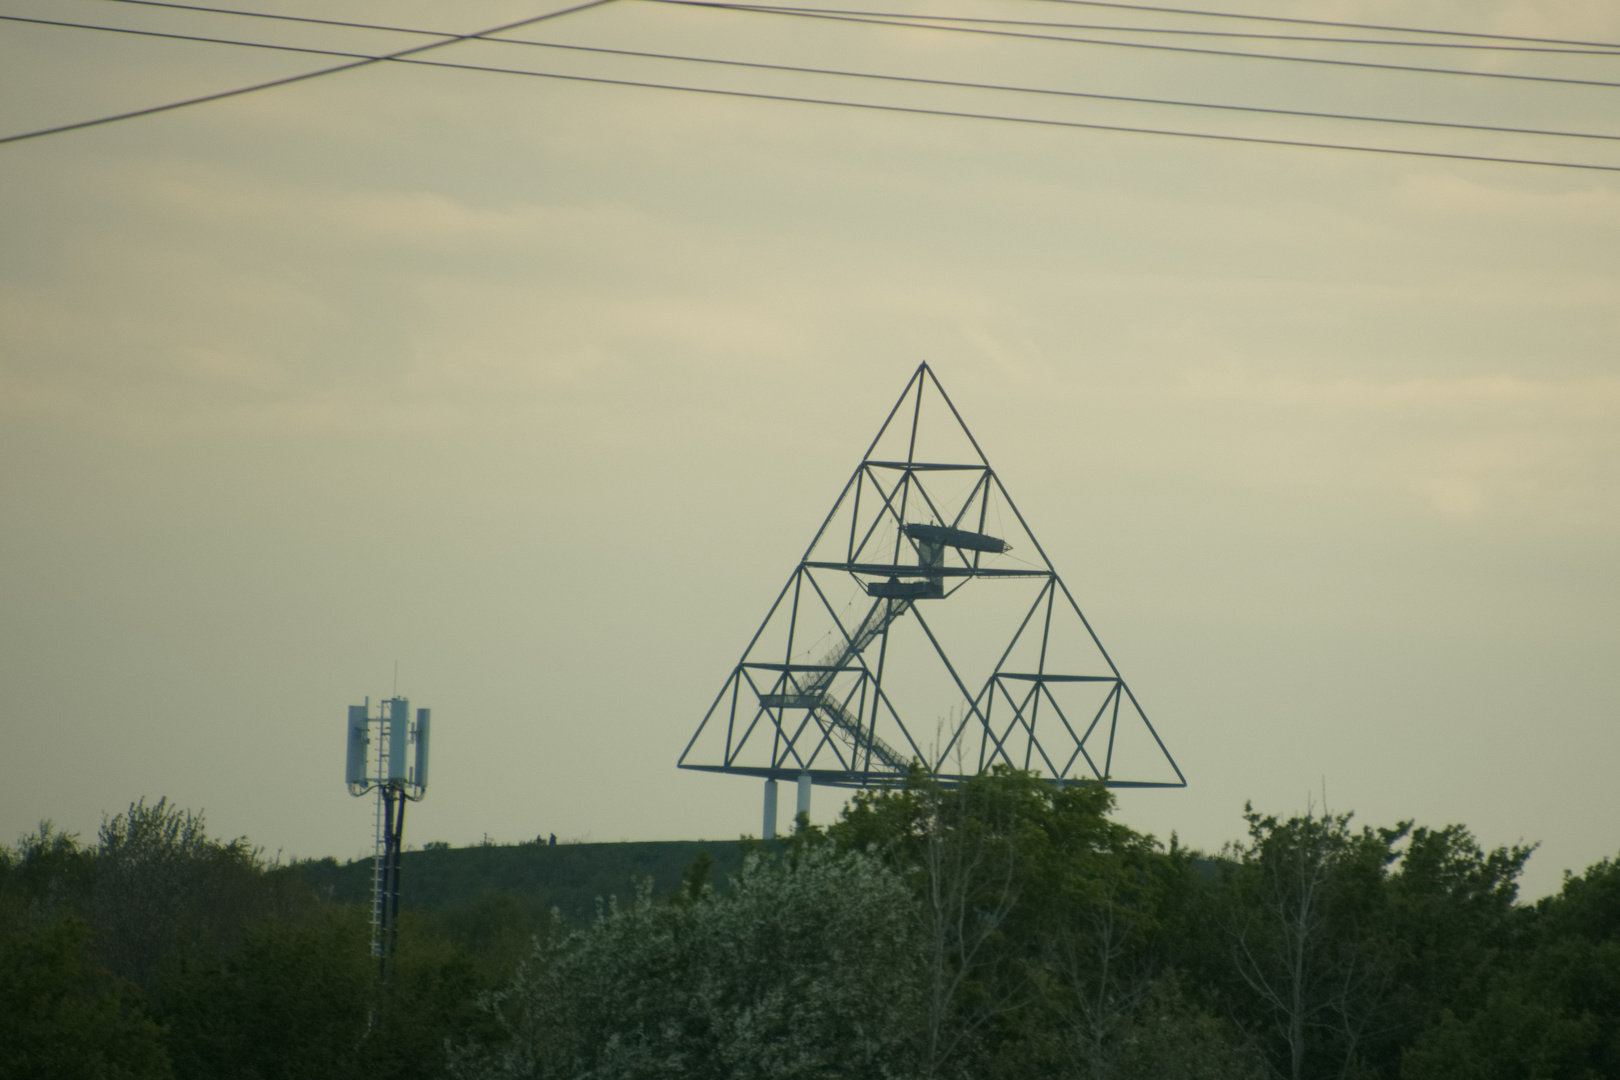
[925, 624]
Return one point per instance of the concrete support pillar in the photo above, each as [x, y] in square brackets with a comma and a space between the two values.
[769, 831]
[804, 797]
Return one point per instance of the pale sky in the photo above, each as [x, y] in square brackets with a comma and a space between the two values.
[540, 388]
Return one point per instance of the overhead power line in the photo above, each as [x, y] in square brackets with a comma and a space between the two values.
[361, 61]
[1313, 39]
[1082, 94]
[201, 39]
[880, 18]
[911, 110]
[1177, 31]
[1038, 121]
[833, 72]
[1297, 21]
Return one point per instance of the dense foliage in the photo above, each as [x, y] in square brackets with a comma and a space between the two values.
[1005, 928]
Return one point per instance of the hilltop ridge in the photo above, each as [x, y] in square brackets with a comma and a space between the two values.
[569, 877]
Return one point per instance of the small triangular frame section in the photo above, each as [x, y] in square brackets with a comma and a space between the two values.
[925, 624]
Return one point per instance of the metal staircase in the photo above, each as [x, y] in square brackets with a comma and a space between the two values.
[812, 691]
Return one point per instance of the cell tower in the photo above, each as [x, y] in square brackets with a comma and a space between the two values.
[924, 624]
[397, 780]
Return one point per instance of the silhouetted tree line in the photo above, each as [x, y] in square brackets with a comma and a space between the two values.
[1004, 928]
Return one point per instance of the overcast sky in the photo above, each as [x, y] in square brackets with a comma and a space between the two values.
[539, 389]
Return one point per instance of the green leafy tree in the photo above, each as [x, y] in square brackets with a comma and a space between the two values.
[1305, 920]
[160, 883]
[428, 1001]
[63, 1016]
[1171, 1035]
[803, 967]
[965, 853]
[1547, 1006]
[292, 1001]
[1040, 919]
[48, 872]
[1093, 909]
[1450, 914]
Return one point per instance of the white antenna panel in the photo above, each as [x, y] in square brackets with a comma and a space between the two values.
[420, 778]
[422, 718]
[359, 745]
[399, 727]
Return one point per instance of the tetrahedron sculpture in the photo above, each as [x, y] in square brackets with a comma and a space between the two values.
[925, 624]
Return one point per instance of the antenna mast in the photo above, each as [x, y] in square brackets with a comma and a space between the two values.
[397, 780]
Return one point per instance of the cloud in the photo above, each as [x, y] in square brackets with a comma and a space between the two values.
[1557, 400]
[1467, 449]
[1587, 203]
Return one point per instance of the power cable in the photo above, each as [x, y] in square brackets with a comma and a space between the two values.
[286, 18]
[1184, 32]
[878, 18]
[1605, 51]
[868, 106]
[1003, 118]
[361, 61]
[1294, 20]
[172, 36]
[837, 73]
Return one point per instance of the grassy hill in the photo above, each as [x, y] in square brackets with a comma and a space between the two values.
[569, 877]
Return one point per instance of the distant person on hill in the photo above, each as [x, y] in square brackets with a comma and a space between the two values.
[553, 841]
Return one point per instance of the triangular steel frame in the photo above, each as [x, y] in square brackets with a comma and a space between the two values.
[822, 719]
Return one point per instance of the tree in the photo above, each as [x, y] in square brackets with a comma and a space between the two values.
[161, 882]
[1450, 913]
[803, 967]
[1093, 907]
[1169, 1035]
[292, 1001]
[48, 872]
[63, 1016]
[429, 999]
[1036, 912]
[1306, 904]
[1547, 1003]
[962, 851]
